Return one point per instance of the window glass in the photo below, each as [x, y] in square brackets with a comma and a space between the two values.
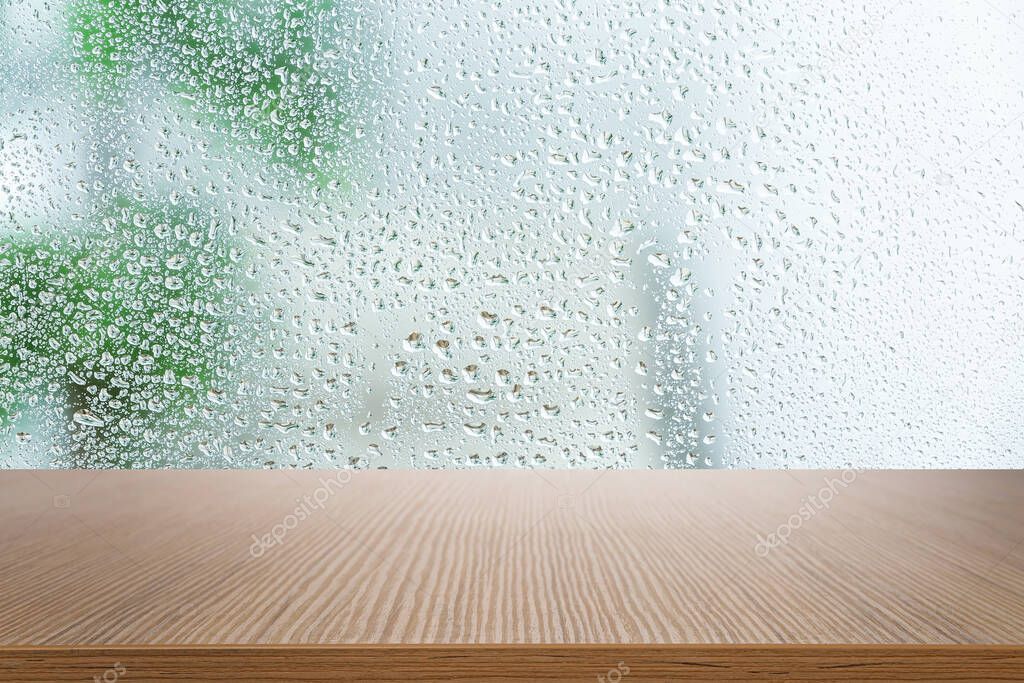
[526, 234]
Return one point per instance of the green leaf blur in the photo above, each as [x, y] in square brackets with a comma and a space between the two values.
[121, 326]
[260, 77]
[130, 319]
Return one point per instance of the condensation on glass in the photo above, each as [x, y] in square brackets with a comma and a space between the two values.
[528, 234]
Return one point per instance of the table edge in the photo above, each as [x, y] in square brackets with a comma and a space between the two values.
[539, 662]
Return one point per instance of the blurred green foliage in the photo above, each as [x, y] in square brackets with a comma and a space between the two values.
[124, 325]
[130, 320]
[261, 76]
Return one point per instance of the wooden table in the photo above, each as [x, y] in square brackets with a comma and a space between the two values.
[511, 575]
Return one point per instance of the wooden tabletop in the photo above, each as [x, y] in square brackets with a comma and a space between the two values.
[523, 571]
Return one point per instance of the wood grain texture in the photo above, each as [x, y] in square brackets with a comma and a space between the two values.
[554, 663]
[898, 562]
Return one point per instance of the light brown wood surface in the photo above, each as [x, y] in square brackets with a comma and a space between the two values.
[653, 565]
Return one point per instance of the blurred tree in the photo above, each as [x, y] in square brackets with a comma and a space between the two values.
[262, 73]
[129, 321]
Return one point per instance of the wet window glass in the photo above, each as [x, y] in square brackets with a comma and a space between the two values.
[322, 233]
